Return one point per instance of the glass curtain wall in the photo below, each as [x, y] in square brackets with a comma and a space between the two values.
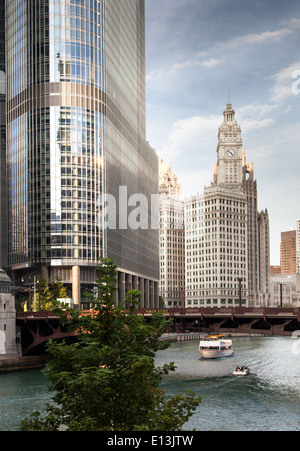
[76, 132]
[56, 79]
[3, 209]
[131, 162]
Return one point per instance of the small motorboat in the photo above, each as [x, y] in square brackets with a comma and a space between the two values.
[241, 371]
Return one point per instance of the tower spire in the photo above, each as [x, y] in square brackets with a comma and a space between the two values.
[229, 106]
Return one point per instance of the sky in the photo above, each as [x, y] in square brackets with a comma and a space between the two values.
[198, 49]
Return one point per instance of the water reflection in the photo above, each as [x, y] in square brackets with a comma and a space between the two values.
[20, 394]
[267, 401]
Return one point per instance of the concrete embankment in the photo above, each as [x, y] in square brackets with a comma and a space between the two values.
[198, 336]
[182, 337]
[22, 363]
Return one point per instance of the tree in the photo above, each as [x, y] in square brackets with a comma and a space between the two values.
[41, 297]
[58, 290]
[108, 379]
[45, 296]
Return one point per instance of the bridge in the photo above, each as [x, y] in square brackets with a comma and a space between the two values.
[36, 328]
[238, 320]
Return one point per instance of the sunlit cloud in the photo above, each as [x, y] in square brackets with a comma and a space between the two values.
[191, 135]
[283, 82]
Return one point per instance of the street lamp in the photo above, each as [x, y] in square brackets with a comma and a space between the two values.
[281, 293]
[182, 291]
[240, 280]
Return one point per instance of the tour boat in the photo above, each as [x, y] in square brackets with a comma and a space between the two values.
[241, 371]
[214, 347]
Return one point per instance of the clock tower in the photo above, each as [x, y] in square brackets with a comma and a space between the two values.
[228, 170]
[226, 238]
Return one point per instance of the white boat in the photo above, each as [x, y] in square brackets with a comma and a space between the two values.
[241, 371]
[214, 347]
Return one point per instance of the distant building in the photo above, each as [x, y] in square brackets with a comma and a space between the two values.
[285, 289]
[263, 249]
[171, 241]
[298, 244]
[226, 238]
[288, 252]
[275, 270]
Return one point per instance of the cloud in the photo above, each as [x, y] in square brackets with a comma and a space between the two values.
[161, 74]
[191, 135]
[264, 37]
[255, 110]
[211, 63]
[194, 181]
[260, 38]
[284, 81]
[255, 116]
[198, 134]
[216, 54]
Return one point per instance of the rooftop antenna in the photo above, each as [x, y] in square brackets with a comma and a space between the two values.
[229, 97]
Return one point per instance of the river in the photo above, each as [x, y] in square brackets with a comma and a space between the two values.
[268, 400]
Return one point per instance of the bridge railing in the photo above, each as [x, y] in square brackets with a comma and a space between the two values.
[36, 315]
[223, 310]
[177, 311]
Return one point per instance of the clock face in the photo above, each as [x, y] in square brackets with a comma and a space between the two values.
[230, 153]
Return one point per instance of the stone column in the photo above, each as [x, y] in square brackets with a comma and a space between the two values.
[135, 283]
[76, 285]
[151, 294]
[121, 288]
[147, 297]
[156, 295]
[142, 291]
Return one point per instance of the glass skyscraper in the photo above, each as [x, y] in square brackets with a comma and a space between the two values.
[3, 209]
[75, 133]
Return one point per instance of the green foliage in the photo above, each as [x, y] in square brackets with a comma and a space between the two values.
[44, 297]
[58, 290]
[108, 380]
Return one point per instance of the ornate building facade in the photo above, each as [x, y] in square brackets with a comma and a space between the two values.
[171, 239]
[227, 239]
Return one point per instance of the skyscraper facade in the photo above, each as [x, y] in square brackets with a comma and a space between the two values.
[3, 209]
[288, 252]
[171, 238]
[75, 134]
[226, 238]
[298, 244]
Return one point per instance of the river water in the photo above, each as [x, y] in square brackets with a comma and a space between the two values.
[268, 400]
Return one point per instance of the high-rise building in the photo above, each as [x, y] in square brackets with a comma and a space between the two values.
[226, 239]
[3, 208]
[288, 252]
[298, 244]
[171, 239]
[76, 136]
